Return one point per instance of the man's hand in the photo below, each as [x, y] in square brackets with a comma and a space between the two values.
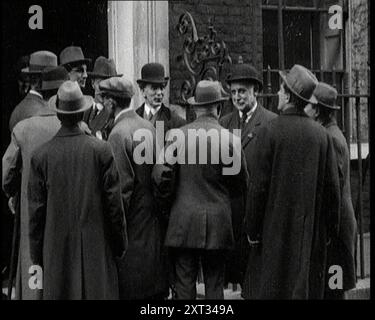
[12, 205]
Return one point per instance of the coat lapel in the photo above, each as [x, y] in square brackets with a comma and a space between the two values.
[248, 132]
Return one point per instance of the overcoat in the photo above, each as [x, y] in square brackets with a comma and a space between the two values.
[77, 223]
[27, 136]
[294, 200]
[341, 249]
[142, 272]
[201, 215]
[237, 261]
[30, 106]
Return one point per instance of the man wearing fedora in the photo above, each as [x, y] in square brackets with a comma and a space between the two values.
[76, 217]
[27, 136]
[142, 272]
[33, 102]
[249, 116]
[73, 60]
[293, 200]
[152, 84]
[341, 250]
[98, 116]
[200, 222]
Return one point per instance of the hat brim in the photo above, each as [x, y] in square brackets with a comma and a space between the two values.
[334, 107]
[312, 99]
[102, 76]
[88, 101]
[28, 71]
[192, 101]
[83, 61]
[115, 94]
[154, 81]
[230, 80]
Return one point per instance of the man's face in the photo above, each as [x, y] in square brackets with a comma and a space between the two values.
[109, 103]
[23, 86]
[243, 95]
[312, 111]
[283, 98]
[79, 74]
[95, 86]
[153, 94]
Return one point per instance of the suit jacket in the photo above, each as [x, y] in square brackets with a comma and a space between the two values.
[237, 262]
[77, 224]
[342, 248]
[142, 272]
[201, 215]
[294, 204]
[98, 122]
[28, 135]
[30, 106]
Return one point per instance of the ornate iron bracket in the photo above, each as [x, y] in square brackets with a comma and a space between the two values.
[203, 56]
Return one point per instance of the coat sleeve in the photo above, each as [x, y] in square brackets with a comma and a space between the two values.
[259, 185]
[331, 195]
[114, 209]
[37, 205]
[12, 163]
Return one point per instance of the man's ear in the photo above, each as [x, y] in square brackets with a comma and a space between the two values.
[287, 97]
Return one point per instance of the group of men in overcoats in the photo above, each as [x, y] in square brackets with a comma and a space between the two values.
[102, 225]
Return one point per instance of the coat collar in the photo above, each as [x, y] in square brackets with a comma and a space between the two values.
[292, 110]
[69, 131]
[163, 113]
[130, 113]
[330, 123]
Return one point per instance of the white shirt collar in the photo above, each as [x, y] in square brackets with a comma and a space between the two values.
[98, 106]
[36, 93]
[122, 112]
[148, 109]
[249, 113]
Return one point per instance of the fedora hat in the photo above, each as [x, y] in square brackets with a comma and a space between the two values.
[39, 60]
[117, 87]
[72, 55]
[53, 78]
[153, 73]
[207, 92]
[244, 71]
[104, 68]
[326, 95]
[70, 100]
[301, 81]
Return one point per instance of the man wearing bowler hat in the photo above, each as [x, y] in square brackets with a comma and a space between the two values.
[200, 222]
[27, 136]
[341, 250]
[293, 200]
[142, 272]
[249, 116]
[98, 116]
[152, 84]
[77, 224]
[73, 60]
[33, 102]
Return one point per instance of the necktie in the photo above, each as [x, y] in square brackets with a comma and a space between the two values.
[149, 116]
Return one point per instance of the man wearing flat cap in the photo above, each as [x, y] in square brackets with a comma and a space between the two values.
[142, 272]
[98, 116]
[27, 136]
[249, 116]
[76, 217]
[293, 200]
[33, 102]
[73, 60]
[200, 225]
[341, 250]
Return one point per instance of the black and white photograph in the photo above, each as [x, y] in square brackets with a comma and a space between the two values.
[195, 150]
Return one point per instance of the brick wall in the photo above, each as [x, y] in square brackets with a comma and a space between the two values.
[237, 22]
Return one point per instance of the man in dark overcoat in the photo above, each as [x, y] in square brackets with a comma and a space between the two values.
[77, 223]
[249, 116]
[200, 223]
[142, 271]
[342, 248]
[97, 117]
[294, 199]
[33, 102]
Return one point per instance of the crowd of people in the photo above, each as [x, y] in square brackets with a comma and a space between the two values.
[103, 225]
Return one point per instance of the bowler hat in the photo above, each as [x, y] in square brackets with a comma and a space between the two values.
[39, 60]
[301, 81]
[117, 87]
[70, 100]
[72, 55]
[207, 92]
[104, 68]
[153, 73]
[326, 95]
[244, 71]
[53, 78]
